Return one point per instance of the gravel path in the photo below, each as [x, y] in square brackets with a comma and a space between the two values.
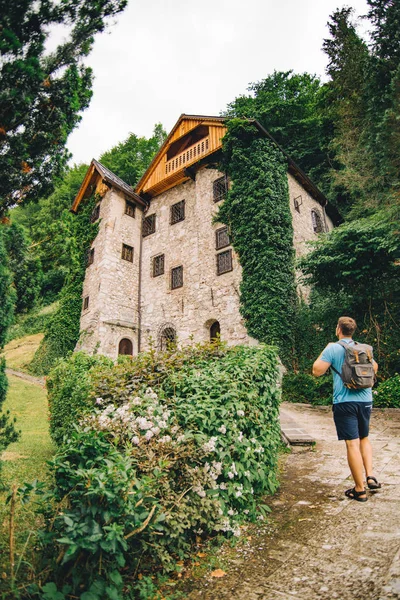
[37, 380]
[319, 545]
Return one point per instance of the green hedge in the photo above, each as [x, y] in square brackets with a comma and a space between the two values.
[307, 389]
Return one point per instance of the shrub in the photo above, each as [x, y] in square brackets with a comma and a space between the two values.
[69, 387]
[305, 388]
[149, 469]
[31, 323]
[388, 393]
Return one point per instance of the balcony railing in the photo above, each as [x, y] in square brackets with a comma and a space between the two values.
[190, 155]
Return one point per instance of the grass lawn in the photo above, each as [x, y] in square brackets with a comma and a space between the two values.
[24, 460]
[19, 353]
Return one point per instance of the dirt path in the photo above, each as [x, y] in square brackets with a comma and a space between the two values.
[320, 545]
[36, 380]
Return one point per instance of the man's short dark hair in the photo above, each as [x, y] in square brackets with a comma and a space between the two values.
[347, 326]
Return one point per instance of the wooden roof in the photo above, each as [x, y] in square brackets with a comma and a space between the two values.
[192, 138]
[99, 174]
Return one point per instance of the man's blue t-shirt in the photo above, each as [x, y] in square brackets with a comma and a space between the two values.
[334, 354]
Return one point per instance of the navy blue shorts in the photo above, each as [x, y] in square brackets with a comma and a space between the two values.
[352, 419]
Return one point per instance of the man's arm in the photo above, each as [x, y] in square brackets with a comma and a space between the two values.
[320, 367]
[375, 366]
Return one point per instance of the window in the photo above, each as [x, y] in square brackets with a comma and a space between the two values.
[221, 238]
[158, 265]
[215, 331]
[95, 214]
[129, 208]
[166, 338]
[177, 212]
[125, 347]
[90, 257]
[317, 224]
[149, 225]
[220, 189]
[86, 303]
[176, 278]
[224, 262]
[298, 201]
[127, 253]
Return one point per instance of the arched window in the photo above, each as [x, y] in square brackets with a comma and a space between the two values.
[166, 338]
[215, 331]
[125, 347]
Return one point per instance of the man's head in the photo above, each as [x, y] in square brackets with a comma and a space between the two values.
[346, 326]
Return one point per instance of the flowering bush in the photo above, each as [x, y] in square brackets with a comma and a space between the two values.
[175, 446]
[388, 393]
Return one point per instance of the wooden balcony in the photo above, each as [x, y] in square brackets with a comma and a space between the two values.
[187, 157]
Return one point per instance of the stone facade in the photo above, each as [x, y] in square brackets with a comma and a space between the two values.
[113, 285]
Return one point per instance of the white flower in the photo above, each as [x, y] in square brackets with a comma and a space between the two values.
[199, 491]
[246, 511]
[247, 474]
[136, 401]
[135, 440]
[149, 435]
[240, 438]
[165, 439]
[99, 400]
[253, 440]
[240, 413]
[230, 475]
[238, 494]
[222, 429]
[180, 438]
[260, 518]
[231, 512]
[222, 486]
[237, 532]
[210, 445]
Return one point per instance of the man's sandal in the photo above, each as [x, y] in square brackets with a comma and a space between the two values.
[354, 495]
[373, 483]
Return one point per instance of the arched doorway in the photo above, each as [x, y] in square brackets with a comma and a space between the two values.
[125, 347]
[166, 338]
[215, 331]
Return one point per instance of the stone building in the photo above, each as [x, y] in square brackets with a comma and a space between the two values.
[159, 268]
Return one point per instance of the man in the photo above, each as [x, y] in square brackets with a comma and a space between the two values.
[351, 411]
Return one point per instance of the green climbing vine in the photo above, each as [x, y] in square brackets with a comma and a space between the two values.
[257, 212]
[62, 331]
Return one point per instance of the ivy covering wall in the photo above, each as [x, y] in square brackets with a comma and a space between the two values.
[62, 332]
[257, 212]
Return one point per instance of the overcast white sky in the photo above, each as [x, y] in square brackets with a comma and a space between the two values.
[167, 57]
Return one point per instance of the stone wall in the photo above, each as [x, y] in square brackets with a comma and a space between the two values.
[111, 283]
[205, 297]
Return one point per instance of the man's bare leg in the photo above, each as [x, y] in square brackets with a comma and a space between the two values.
[356, 464]
[366, 453]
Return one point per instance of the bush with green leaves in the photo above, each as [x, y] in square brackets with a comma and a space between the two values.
[165, 448]
[304, 388]
[388, 393]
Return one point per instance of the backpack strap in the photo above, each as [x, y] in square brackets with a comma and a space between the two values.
[344, 345]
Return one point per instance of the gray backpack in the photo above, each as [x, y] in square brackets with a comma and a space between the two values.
[358, 367]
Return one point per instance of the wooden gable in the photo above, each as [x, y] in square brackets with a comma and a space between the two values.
[99, 180]
[193, 138]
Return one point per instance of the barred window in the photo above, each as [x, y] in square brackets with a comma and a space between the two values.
[177, 212]
[127, 253]
[221, 238]
[167, 338]
[86, 303]
[90, 257]
[224, 262]
[95, 214]
[176, 277]
[149, 225]
[317, 223]
[220, 189]
[129, 208]
[158, 265]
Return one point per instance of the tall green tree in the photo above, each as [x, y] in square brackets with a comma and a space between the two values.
[292, 108]
[42, 93]
[25, 267]
[129, 159]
